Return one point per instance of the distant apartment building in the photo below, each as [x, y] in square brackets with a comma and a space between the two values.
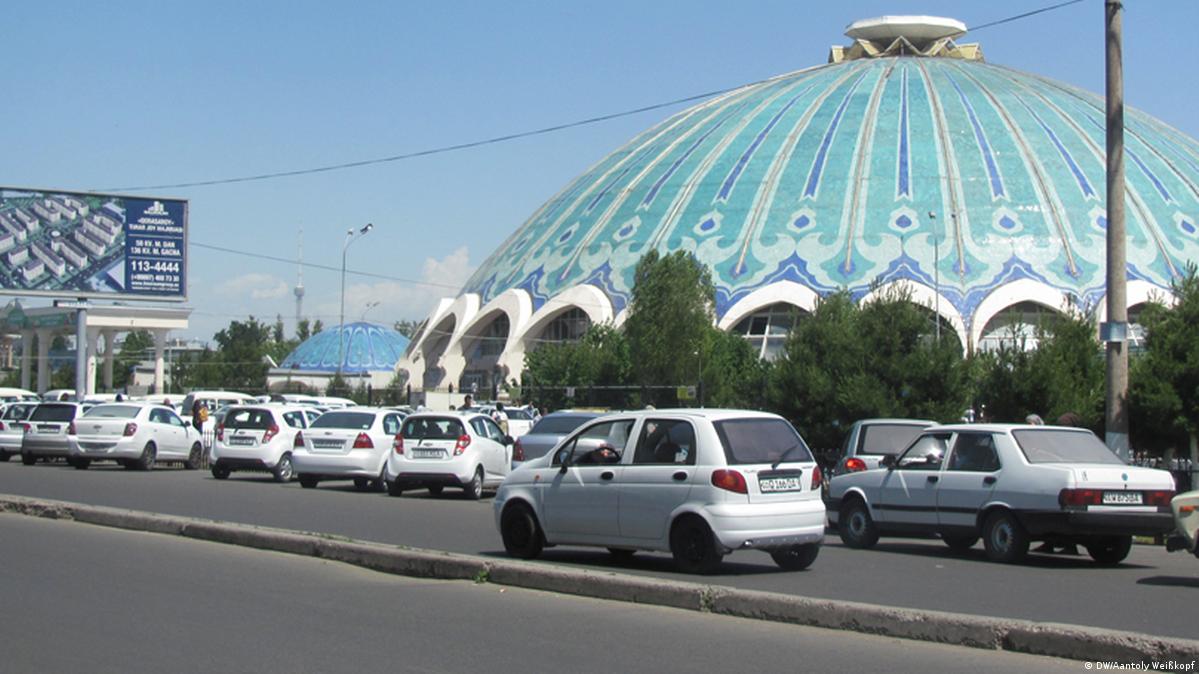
[16, 257]
[54, 264]
[71, 253]
[7, 240]
[70, 207]
[114, 210]
[10, 224]
[103, 228]
[26, 220]
[47, 213]
[89, 242]
[32, 270]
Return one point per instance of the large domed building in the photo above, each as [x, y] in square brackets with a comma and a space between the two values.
[907, 159]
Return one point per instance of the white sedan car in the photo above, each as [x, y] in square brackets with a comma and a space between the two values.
[258, 438]
[1009, 484]
[436, 450]
[696, 483]
[136, 435]
[347, 444]
[12, 428]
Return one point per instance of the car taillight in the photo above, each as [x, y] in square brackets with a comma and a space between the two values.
[398, 444]
[130, 429]
[26, 427]
[817, 478]
[363, 441]
[299, 441]
[462, 444]
[1159, 497]
[518, 451]
[854, 465]
[1079, 497]
[270, 433]
[729, 480]
[71, 428]
[2, 426]
[220, 431]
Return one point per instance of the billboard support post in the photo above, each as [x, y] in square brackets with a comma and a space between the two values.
[81, 354]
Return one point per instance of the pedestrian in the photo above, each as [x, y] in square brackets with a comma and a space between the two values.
[199, 414]
[501, 417]
[467, 402]
[1034, 420]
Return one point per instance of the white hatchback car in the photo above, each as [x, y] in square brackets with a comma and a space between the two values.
[12, 427]
[1008, 484]
[696, 483]
[136, 435]
[258, 438]
[436, 450]
[347, 444]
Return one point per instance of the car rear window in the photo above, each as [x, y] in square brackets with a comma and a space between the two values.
[559, 425]
[113, 411]
[1052, 445]
[748, 441]
[519, 415]
[887, 439]
[432, 428]
[18, 411]
[360, 421]
[51, 412]
[248, 418]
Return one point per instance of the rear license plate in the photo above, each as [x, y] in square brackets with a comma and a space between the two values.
[327, 444]
[1122, 498]
[47, 428]
[427, 454]
[241, 441]
[770, 485]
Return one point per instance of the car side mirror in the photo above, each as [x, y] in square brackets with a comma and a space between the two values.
[508, 440]
[564, 460]
[888, 462]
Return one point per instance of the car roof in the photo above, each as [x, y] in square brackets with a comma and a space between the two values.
[1002, 428]
[896, 421]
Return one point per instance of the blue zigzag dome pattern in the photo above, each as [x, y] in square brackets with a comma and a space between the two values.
[366, 347]
[826, 177]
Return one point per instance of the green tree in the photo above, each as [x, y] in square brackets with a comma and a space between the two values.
[409, 329]
[599, 359]
[303, 330]
[136, 347]
[670, 314]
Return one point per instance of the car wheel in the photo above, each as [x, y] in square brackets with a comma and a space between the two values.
[522, 536]
[960, 543]
[28, 459]
[146, 460]
[282, 472]
[435, 489]
[1110, 550]
[219, 471]
[694, 547]
[4, 456]
[474, 488]
[395, 489]
[621, 554]
[1004, 538]
[309, 481]
[362, 483]
[81, 464]
[194, 457]
[855, 525]
[796, 557]
[379, 484]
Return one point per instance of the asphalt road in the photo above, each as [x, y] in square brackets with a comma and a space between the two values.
[84, 598]
[1154, 592]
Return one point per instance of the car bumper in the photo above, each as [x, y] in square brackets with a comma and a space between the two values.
[765, 526]
[11, 442]
[1081, 523]
[234, 457]
[101, 448]
[455, 473]
[46, 445]
[353, 464]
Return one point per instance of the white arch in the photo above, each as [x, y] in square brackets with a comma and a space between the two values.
[1140, 292]
[586, 297]
[1010, 294]
[782, 292]
[927, 298]
[514, 303]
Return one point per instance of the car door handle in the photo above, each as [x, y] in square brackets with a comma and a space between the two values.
[607, 475]
[680, 476]
[933, 478]
[990, 479]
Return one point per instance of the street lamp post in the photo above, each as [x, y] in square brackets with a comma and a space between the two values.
[932, 217]
[351, 236]
[369, 306]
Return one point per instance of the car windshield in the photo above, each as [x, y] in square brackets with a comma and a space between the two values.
[517, 414]
[113, 412]
[360, 421]
[248, 418]
[1054, 445]
[887, 439]
[46, 412]
[748, 441]
[559, 425]
[432, 428]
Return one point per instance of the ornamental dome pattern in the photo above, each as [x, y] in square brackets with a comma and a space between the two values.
[366, 347]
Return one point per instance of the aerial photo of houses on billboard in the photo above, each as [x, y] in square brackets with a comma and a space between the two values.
[74, 244]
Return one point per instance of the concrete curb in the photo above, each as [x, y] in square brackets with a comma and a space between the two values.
[1052, 639]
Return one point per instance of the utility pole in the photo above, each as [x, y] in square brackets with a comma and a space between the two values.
[1115, 331]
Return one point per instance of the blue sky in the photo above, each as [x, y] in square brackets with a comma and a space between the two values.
[123, 94]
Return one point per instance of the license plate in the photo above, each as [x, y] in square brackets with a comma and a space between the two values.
[47, 428]
[770, 485]
[327, 444]
[1122, 498]
[427, 454]
[241, 441]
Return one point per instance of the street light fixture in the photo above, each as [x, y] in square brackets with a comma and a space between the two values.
[369, 306]
[352, 235]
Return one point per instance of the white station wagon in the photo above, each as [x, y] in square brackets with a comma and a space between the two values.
[1009, 484]
[696, 483]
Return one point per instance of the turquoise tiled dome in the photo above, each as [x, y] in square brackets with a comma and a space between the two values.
[826, 177]
[367, 347]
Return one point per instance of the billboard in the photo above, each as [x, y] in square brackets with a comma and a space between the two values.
[83, 244]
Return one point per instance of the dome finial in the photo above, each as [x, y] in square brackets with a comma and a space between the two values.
[905, 36]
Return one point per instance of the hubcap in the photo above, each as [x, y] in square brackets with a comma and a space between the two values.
[857, 523]
[1002, 536]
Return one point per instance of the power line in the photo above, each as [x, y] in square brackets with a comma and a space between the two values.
[512, 136]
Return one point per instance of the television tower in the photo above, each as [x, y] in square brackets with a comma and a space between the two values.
[299, 289]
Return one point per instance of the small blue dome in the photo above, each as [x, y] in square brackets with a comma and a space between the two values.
[365, 347]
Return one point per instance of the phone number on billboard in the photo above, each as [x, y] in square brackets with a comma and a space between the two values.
[158, 266]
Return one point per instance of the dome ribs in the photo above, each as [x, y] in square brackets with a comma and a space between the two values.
[860, 168]
[950, 175]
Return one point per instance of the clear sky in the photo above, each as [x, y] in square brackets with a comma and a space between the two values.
[123, 94]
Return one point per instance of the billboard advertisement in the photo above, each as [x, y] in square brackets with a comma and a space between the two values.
[84, 244]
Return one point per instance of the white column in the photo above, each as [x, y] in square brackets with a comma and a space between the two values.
[43, 360]
[109, 357]
[93, 347]
[26, 358]
[160, 347]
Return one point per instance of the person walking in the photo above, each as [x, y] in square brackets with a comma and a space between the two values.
[501, 417]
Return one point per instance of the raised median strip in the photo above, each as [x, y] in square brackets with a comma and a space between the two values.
[1052, 639]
